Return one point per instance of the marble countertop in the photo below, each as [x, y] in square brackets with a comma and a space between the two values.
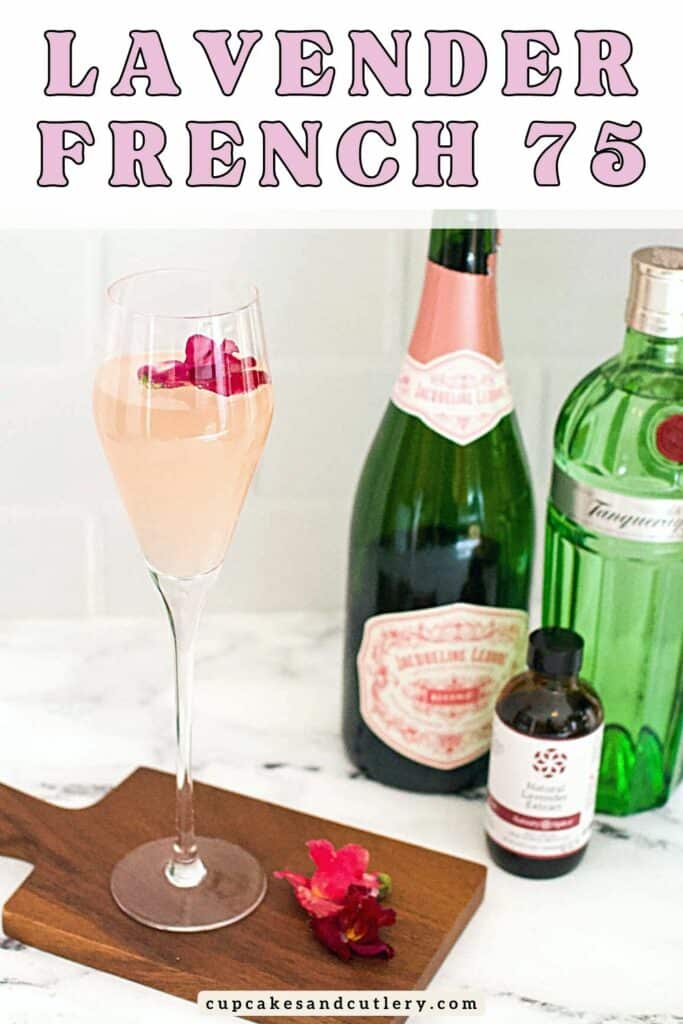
[85, 702]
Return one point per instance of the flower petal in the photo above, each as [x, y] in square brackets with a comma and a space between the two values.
[331, 885]
[316, 906]
[171, 374]
[322, 853]
[386, 917]
[199, 349]
[289, 876]
[353, 859]
[378, 948]
[327, 931]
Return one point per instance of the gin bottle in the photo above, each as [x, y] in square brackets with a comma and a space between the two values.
[614, 540]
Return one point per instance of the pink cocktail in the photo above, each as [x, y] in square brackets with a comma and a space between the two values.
[183, 405]
[183, 459]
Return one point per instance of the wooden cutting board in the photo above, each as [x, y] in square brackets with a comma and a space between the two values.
[65, 907]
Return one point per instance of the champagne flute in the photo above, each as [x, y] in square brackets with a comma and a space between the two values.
[183, 405]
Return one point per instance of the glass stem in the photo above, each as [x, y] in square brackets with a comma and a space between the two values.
[184, 600]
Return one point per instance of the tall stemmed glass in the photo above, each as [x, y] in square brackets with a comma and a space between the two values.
[183, 405]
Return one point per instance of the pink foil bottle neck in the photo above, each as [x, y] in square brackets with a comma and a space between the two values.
[458, 312]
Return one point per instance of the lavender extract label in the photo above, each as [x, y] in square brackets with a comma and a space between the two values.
[652, 520]
[541, 792]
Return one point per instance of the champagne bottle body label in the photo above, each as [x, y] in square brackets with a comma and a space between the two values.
[428, 679]
[541, 792]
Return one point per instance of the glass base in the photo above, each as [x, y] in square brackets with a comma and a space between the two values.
[234, 884]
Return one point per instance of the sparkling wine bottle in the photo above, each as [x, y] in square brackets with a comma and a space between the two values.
[614, 540]
[441, 540]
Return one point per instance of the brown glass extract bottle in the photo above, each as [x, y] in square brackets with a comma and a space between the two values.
[545, 756]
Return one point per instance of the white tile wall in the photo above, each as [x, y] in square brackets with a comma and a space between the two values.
[46, 562]
[338, 308]
[47, 297]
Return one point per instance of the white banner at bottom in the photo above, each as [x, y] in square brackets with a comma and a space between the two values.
[288, 1003]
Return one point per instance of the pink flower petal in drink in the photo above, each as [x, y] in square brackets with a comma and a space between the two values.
[171, 374]
[208, 366]
[202, 373]
[257, 378]
[232, 362]
[199, 349]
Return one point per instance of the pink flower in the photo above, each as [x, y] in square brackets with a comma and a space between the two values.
[354, 929]
[323, 893]
[342, 900]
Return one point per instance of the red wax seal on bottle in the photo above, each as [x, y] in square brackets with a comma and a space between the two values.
[669, 438]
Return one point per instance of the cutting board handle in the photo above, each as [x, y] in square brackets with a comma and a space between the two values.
[22, 820]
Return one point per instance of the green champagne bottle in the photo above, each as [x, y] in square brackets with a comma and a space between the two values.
[441, 540]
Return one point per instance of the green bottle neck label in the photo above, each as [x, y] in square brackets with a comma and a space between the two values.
[650, 520]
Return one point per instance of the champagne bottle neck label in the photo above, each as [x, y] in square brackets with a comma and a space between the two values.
[429, 679]
[541, 792]
[453, 378]
[458, 313]
[652, 520]
[462, 395]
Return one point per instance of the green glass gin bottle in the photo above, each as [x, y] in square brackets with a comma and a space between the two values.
[614, 540]
[441, 540]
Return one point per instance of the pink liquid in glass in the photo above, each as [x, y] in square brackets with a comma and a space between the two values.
[183, 459]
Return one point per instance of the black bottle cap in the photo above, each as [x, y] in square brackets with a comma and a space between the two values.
[555, 651]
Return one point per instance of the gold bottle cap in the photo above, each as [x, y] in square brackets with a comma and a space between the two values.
[655, 301]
